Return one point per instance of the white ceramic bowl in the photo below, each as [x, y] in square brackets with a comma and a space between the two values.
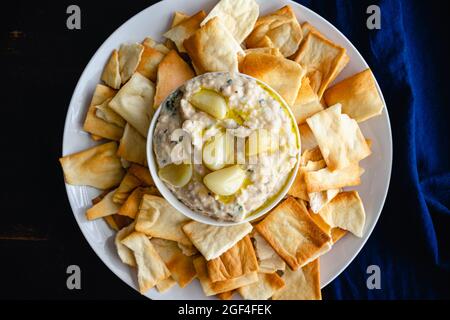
[180, 206]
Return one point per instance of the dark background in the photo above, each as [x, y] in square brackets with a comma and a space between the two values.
[41, 62]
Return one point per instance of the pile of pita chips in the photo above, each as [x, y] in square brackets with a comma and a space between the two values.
[278, 257]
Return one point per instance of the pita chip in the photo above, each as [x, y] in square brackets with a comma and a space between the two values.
[279, 29]
[165, 285]
[318, 200]
[150, 43]
[269, 260]
[180, 266]
[97, 126]
[111, 223]
[340, 139]
[125, 254]
[307, 138]
[130, 207]
[105, 207]
[293, 234]
[213, 241]
[104, 112]
[132, 146]
[337, 234]
[212, 48]
[188, 250]
[157, 218]
[185, 29]
[322, 59]
[306, 104]
[213, 288]
[358, 96]
[111, 73]
[150, 60]
[129, 58]
[313, 155]
[173, 71]
[98, 167]
[346, 211]
[128, 184]
[238, 16]
[265, 288]
[299, 187]
[236, 262]
[283, 75]
[324, 179]
[142, 173]
[134, 102]
[302, 284]
[179, 17]
[151, 268]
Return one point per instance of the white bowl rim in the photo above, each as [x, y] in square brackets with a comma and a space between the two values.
[185, 210]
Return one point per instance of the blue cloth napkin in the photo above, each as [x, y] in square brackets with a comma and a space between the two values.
[410, 59]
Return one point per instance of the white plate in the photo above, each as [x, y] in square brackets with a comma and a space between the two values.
[152, 22]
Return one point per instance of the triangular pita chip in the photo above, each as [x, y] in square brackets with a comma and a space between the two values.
[212, 288]
[212, 48]
[335, 233]
[98, 167]
[142, 173]
[172, 73]
[358, 96]
[132, 146]
[180, 266]
[104, 112]
[303, 284]
[293, 234]
[306, 104]
[150, 59]
[134, 102]
[151, 268]
[279, 29]
[150, 43]
[346, 211]
[340, 139]
[125, 254]
[213, 241]
[283, 75]
[130, 208]
[111, 73]
[236, 262]
[157, 218]
[322, 59]
[127, 185]
[238, 16]
[96, 126]
[265, 288]
[129, 58]
[105, 207]
[185, 29]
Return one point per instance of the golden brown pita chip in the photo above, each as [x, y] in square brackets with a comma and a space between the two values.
[130, 208]
[96, 126]
[358, 96]
[172, 73]
[307, 103]
[188, 250]
[228, 295]
[96, 138]
[307, 28]
[157, 218]
[128, 184]
[299, 187]
[179, 17]
[236, 262]
[337, 234]
[210, 288]
[213, 241]
[238, 16]
[111, 73]
[104, 112]
[293, 234]
[265, 288]
[283, 75]
[303, 284]
[185, 29]
[125, 254]
[324, 179]
[346, 211]
[134, 102]
[133, 146]
[212, 48]
[98, 167]
[142, 173]
[129, 58]
[150, 59]
[279, 29]
[322, 59]
[269, 260]
[149, 42]
[151, 268]
[165, 285]
[339, 138]
[180, 266]
[105, 207]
